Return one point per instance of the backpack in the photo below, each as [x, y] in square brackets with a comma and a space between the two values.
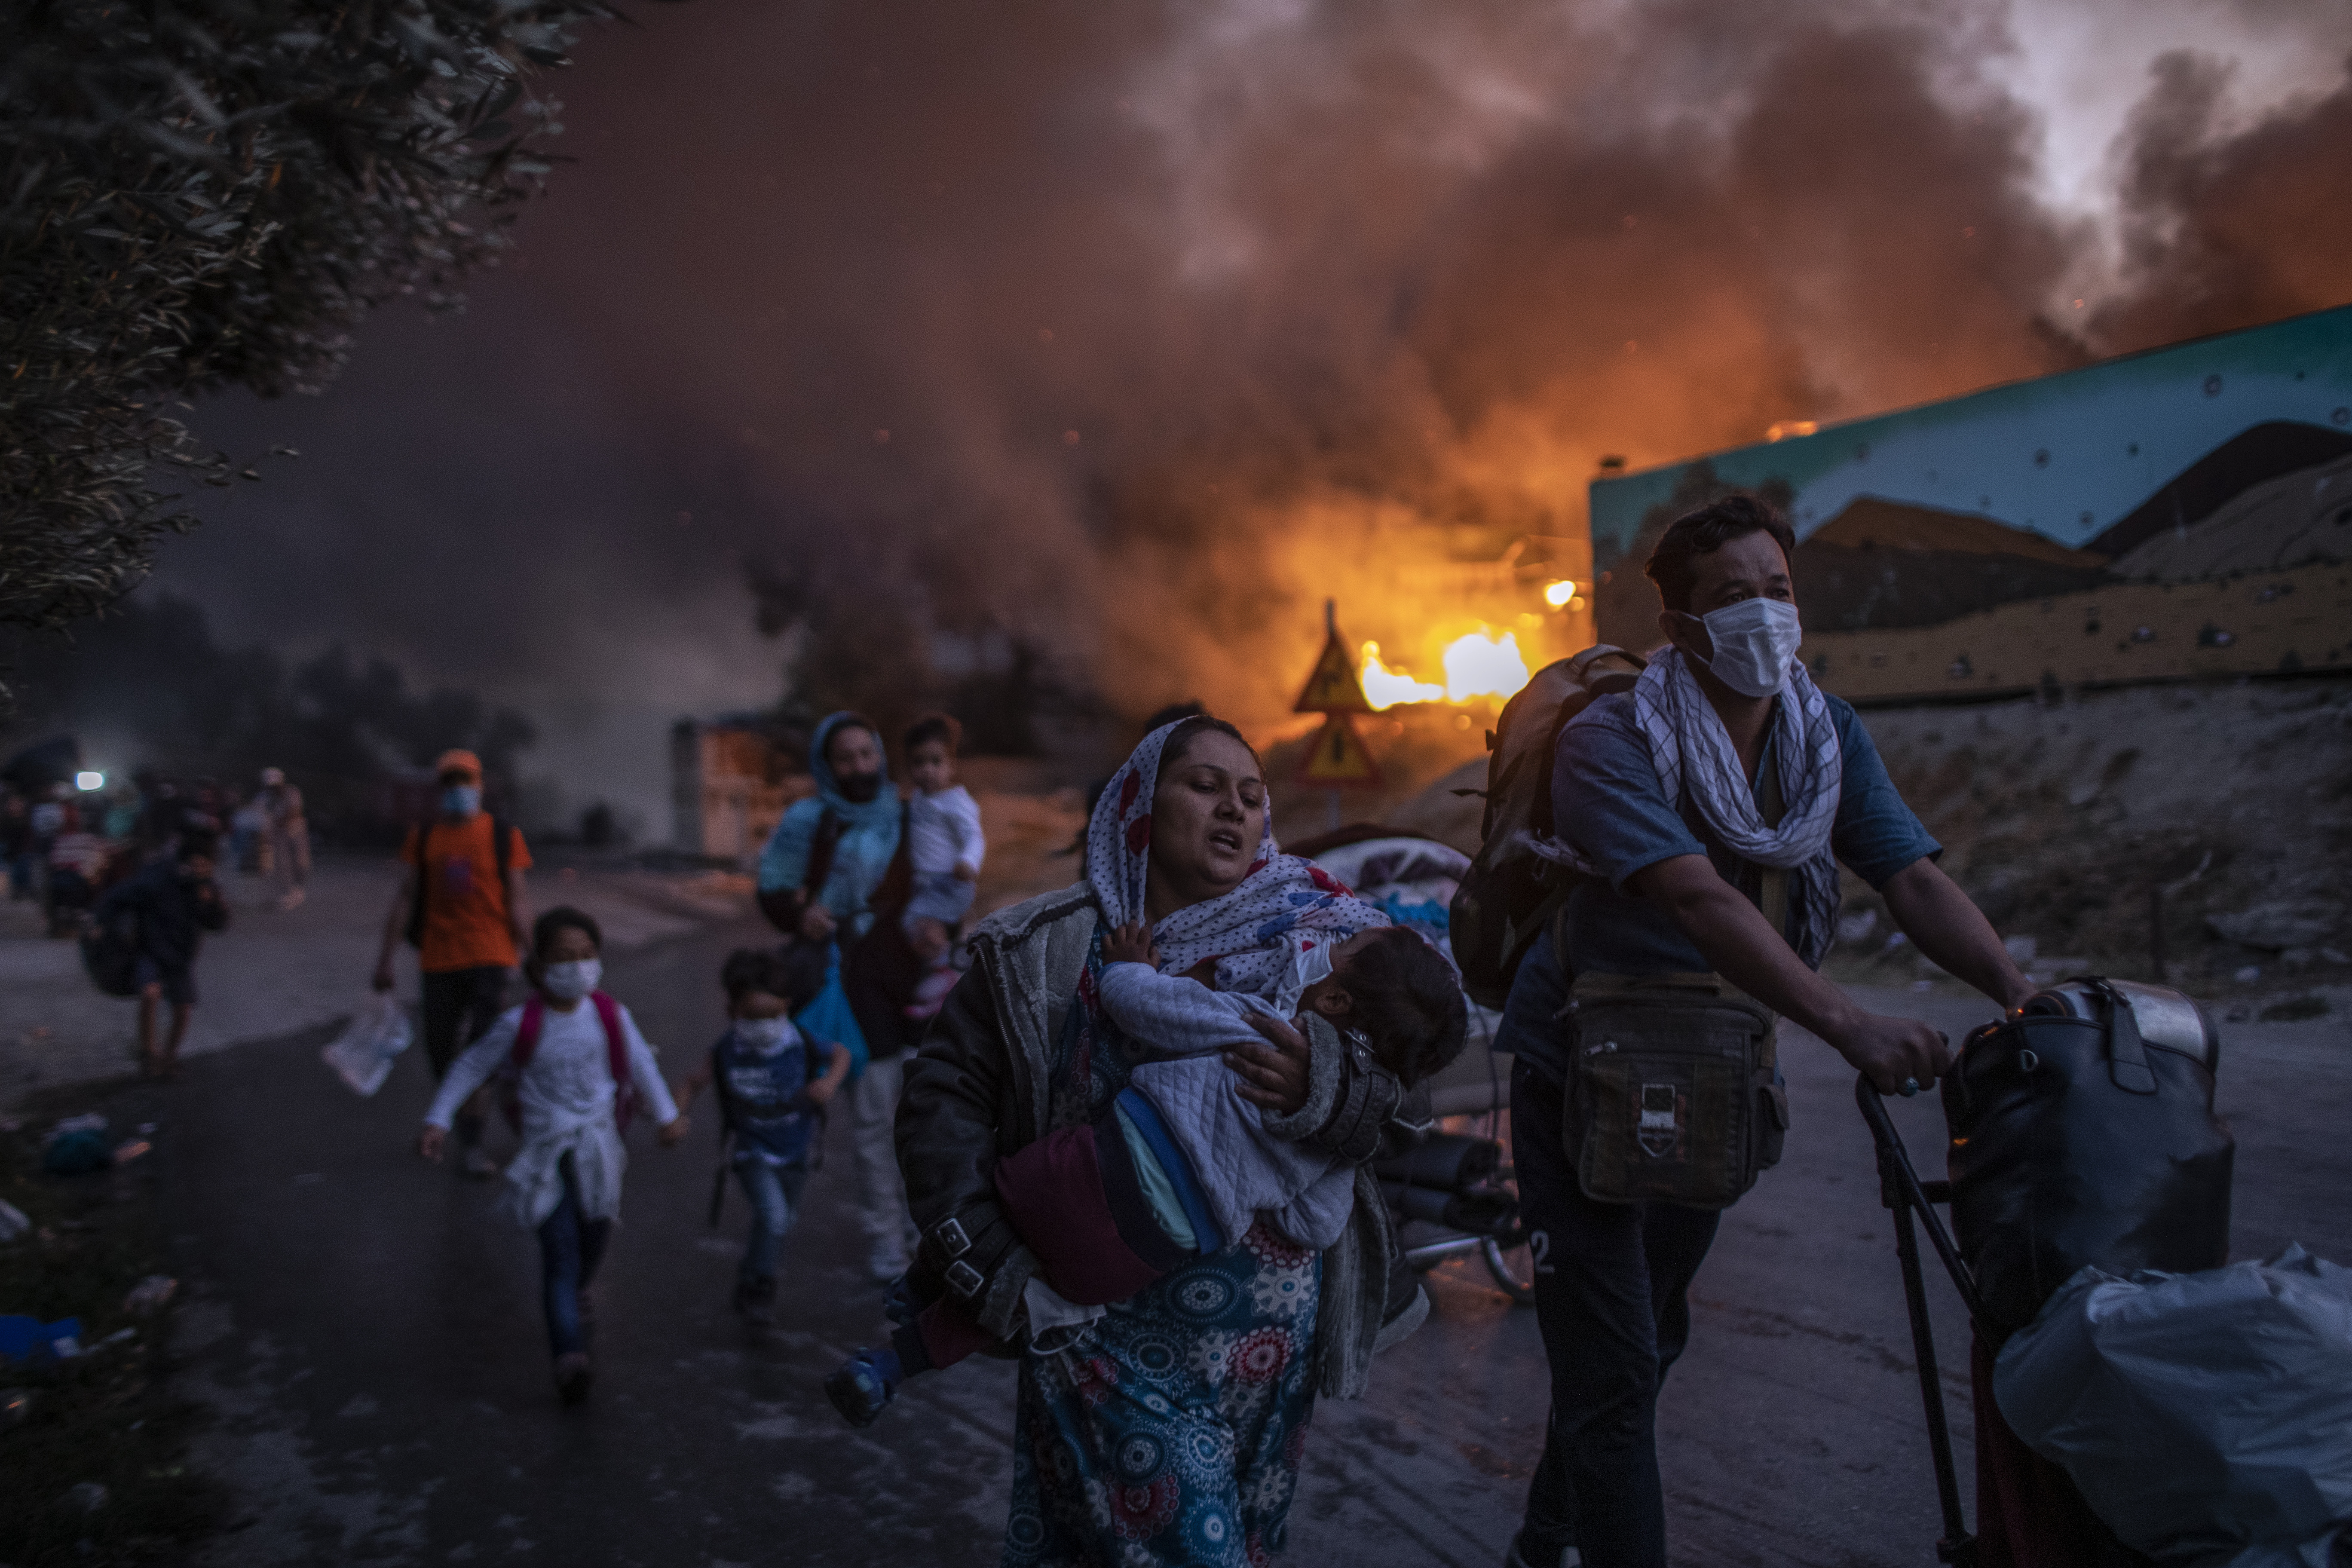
[109, 952]
[1513, 888]
[526, 1043]
[501, 850]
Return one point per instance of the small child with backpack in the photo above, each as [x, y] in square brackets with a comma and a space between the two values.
[574, 1067]
[944, 850]
[772, 1098]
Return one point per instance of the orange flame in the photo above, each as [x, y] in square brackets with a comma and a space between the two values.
[1484, 663]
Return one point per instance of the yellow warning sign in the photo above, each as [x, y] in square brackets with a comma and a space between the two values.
[1338, 757]
[1333, 688]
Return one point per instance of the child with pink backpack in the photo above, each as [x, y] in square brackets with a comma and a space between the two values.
[574, 1067]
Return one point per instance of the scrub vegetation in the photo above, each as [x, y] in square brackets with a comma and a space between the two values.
[197, 195]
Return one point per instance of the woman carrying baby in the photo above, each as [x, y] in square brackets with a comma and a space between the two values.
[1168, 1429]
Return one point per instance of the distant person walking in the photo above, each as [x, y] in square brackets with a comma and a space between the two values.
[52, 815]
[460, 905]
[16, 844]
[288, 833]
[837, 872]
[174, 901]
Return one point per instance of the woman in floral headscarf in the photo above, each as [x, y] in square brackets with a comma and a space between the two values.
[1170, 1431]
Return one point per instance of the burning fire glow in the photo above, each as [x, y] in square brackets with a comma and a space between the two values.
[1559, 593]
[1483, 663]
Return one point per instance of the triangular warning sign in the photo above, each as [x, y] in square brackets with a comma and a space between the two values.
[1333, 688]
[1338, 757]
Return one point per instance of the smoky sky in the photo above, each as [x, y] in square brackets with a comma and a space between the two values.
[1133, 330]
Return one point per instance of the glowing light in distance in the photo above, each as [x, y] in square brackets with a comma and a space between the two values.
[1482, 664]
[1559, 593]
[87, 781]
[1385, 688]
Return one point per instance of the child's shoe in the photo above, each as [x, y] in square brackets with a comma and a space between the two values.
[756, 1300]
[572, 1376]
[864, 1386]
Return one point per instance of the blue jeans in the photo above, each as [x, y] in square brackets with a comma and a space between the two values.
[775, 1192]
[570, 1248]
[1612, 1288]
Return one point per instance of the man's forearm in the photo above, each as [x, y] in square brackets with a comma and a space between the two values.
[1739, 944]
[1946, 926]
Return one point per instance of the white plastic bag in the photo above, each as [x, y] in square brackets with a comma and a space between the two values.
[361, 1054]
[2208, 1416]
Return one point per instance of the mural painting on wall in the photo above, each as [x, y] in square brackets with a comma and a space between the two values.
[2180, 514]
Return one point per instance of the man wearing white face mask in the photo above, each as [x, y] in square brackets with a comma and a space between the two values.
[1710, 810]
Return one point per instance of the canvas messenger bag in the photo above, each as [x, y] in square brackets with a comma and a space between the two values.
[1675, 1090]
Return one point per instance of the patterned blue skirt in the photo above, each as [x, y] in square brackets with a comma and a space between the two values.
[1172, 1433]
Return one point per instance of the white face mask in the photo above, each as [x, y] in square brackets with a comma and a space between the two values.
[570, 982]
[1754, 641]
[763, 1035]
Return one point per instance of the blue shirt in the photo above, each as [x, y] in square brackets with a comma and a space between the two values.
[762, 1094]
[1607, 801]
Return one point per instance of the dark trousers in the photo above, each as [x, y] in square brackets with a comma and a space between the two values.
[570, 1248]
[879, 973]
[1611, 1286]
[459, 1007]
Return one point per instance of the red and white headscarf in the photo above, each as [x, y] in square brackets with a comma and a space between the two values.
[1285, 908]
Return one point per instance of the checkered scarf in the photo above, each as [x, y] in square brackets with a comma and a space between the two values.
[1284, 907]
[1692, 749]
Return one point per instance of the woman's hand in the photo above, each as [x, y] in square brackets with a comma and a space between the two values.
[1129, 943]
[1273, 1077]
[674, 1133]
[428, 1142]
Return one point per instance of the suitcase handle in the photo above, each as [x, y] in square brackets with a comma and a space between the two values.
[1900, 1187]
[1902, 1191]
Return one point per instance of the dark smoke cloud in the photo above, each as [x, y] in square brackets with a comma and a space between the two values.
[2227, 228]
[1128, 333]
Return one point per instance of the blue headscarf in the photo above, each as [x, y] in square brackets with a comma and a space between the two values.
[881, 812]
[869, 835]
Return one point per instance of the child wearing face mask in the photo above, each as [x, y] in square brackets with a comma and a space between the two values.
[575, 1068]
[945, 848]
[772, 1096]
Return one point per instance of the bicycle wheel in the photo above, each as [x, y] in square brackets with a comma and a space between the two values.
[1514, 1270]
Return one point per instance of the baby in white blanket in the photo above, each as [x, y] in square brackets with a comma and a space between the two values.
[1182, 1163]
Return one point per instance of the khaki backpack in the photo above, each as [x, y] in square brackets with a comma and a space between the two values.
[1517, 882]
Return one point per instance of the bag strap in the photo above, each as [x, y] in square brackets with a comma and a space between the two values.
[502, 856]
[2126, 1052]
[1773, 892]
[526, 1040]
[822, 845]
[616, 1044]
[897, 888]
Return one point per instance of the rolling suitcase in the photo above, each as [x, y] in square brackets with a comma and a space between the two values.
[2082, 1133]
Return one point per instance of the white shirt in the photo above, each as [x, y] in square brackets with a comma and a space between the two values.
[943, 829]
[566, 1094]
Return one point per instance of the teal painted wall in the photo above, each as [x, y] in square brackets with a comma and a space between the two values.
[2065, 455]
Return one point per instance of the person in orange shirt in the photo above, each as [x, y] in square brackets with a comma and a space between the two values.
[460, 904]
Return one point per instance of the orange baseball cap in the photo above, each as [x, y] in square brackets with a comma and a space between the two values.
[459, 762]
